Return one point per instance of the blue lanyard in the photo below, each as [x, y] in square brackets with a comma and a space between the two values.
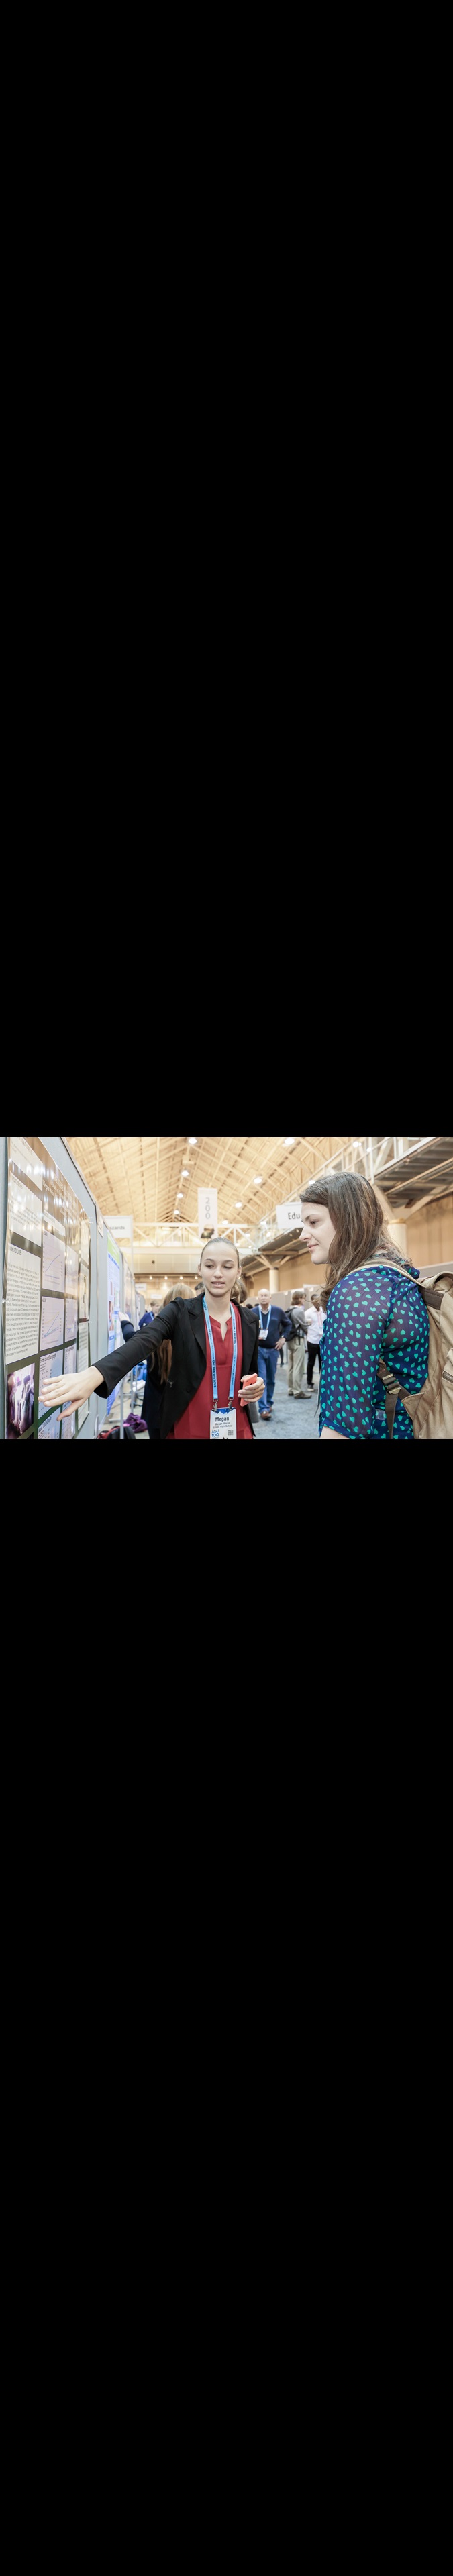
[268, 1318]
[223, 1407]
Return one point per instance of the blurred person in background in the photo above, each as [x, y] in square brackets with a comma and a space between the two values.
[297, 1362]
[275, 1328]
[315, 1327]
[127, 1328]
[157, 1373]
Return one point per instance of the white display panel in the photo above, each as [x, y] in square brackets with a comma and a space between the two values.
[46, 1290]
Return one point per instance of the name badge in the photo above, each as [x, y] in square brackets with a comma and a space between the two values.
[223, 1426]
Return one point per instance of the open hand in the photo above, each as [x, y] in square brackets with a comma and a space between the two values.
[68, 1391]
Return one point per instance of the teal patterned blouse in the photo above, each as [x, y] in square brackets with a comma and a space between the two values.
[372, 1315]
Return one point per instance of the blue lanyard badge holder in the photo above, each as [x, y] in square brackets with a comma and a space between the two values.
[223, 1417]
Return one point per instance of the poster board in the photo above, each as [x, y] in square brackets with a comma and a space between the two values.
[128, 1291]
[46, 1290]
[114, 1302]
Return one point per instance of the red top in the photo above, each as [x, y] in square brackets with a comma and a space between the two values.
[195, 1423]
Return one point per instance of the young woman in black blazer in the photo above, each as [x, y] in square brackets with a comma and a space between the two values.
[189, 1403]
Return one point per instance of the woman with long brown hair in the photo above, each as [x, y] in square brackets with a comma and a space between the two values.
[374, 1313]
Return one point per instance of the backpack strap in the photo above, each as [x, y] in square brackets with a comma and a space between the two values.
[392, 1391]
[392, 1388]
[432, 1297]
[427, 1278]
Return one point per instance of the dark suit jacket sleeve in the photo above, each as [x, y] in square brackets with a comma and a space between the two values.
[117, 1364]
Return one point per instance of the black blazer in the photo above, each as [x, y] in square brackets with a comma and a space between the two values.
[183, 1324]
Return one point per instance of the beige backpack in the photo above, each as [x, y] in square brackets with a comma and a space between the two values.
[432, 1410]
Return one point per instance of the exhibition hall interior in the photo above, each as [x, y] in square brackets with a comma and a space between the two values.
[159, 1287]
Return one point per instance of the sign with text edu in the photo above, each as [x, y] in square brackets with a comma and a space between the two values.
[289, 1216]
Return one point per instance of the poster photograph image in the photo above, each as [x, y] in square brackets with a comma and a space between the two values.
[21, 1397]
[71, 1319]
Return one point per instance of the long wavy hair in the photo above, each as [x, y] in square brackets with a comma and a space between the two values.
[361, 1226]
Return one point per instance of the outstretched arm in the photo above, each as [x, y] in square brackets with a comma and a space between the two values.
[76, 1390]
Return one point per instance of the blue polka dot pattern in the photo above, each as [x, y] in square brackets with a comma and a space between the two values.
[372, 1315]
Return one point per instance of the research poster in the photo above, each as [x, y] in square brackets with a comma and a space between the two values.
[46, 1291]
[113, 1304]
[129, 1292]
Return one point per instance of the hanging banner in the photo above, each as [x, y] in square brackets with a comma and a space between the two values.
[46, 1291]
[208, 1201]
[123, 1229]
[289, 1216]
